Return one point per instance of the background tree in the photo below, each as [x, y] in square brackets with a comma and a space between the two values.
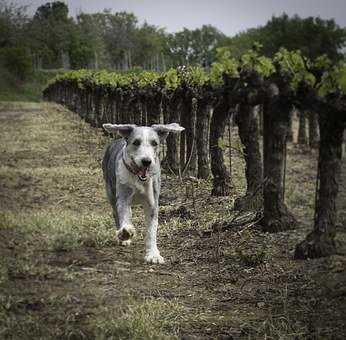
[192, 47]
[15, 58]
[293, 33]
[120, 35]
[150, 48]
[90, 47]
[12, 24]
[50, 32]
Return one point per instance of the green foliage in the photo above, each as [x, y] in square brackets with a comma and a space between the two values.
[147, 78]
[252, 60]
[193, 76]
[225, 64]
[312, 35]
[296, 33]
[28, 91]
[110, 40]
[194, 47]
[292, 63]
[290, 66]
[333, 80]
[172, 79]
[17, 61]
[13, 19]
[50, 34]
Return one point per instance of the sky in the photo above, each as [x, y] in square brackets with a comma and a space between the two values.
[229, 16]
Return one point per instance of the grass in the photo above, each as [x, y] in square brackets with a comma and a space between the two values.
[62, 275]
[30, 90]
[147, 320]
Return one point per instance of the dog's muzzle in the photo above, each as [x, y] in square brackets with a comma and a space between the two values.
[141, 173]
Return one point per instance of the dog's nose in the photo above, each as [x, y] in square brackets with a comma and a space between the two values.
[146, 162]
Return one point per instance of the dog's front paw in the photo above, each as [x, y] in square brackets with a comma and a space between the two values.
[125, 243]
[154, 257]
[125, 234]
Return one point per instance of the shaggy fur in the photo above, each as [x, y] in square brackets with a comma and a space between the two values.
[131, 169]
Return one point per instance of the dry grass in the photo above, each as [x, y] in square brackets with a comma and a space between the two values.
[63, 277]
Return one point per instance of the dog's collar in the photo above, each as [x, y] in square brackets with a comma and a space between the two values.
[129, 167]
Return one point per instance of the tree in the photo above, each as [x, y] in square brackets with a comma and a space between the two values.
[50, 32]
[313, 130]
[204, 101]
[179, 47]
[243, 41]
[249, 135]
[329, 102]
[192, 47]
[320, 241]
[293, 33]
[119, 37]
[13, 19]
[17, 61]
[277, 109]
[204, 42]
[221, 177]
[302, 128]
[91, 32]
[14, 55]
[150, 44]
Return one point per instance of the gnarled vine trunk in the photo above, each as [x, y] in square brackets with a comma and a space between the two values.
[276, 216]
[302, 128]
[249, 135]
[172, 141]
[137, 112]
[153, 108]
[189, 121]
[313, 130]
[221, 177]
[202, 130]
[184, 122]
[320, 242]
[290, 128]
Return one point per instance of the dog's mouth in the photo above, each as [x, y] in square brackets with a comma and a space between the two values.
[143, 174]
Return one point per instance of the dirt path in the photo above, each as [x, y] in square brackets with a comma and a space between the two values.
[64, 277]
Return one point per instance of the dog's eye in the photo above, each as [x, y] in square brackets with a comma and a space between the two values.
[136, 142]
[153, 143]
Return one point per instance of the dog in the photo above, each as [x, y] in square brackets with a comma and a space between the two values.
[131, 170]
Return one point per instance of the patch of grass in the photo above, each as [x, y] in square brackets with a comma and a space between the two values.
[153, 319]
[64, 231]
[30, 90]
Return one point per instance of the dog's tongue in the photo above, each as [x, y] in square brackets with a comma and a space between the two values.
[143, 172]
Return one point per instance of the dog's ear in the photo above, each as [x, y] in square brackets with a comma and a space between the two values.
[164, 129]
[123, 129]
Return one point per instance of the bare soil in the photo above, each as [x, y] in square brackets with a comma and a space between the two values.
[63, 276]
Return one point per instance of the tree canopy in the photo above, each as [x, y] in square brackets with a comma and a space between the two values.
[313, 36]
[52, 39]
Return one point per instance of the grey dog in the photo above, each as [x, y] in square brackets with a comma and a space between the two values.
[131, 169]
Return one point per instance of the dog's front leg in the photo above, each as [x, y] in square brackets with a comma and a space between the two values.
[152, 253]
[124, 214]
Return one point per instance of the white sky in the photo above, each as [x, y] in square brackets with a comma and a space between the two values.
[229, 16]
